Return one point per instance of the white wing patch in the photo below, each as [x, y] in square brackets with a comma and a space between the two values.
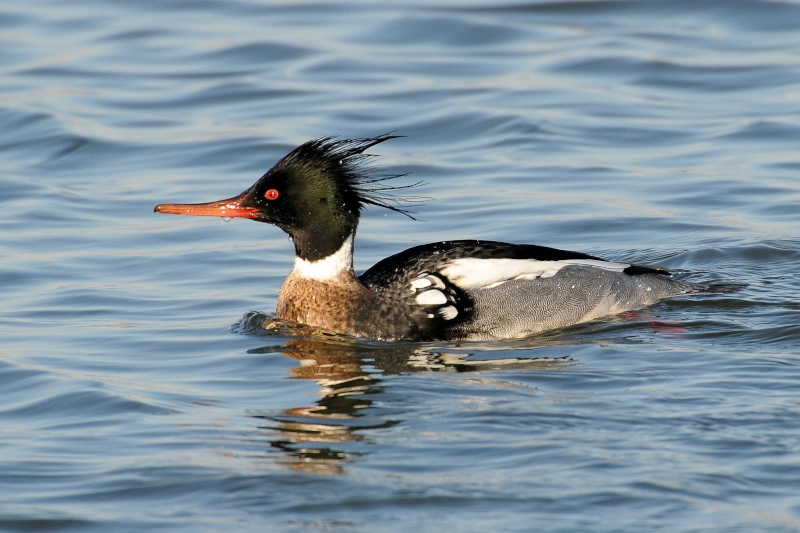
[420, 284]
[472, 273]
[431, 292]
[448, 312]
[431, 297]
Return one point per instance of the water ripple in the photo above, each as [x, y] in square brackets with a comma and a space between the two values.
[655, 132]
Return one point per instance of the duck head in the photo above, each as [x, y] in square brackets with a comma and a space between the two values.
[315, 194]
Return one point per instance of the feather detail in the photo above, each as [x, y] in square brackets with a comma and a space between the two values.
[345, 159]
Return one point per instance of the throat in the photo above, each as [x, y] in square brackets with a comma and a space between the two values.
[327, 294]
[328, 268]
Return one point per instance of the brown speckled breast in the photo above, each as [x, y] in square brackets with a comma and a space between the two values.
[338, 305]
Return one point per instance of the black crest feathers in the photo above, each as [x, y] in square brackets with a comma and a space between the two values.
[345, 160]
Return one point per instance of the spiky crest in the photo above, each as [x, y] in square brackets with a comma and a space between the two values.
[345, 161]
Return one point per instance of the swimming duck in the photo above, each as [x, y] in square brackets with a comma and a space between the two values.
[451, 290]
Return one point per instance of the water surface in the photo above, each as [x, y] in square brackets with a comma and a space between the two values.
[139, 390]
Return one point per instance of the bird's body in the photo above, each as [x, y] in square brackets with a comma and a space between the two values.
[453, 290]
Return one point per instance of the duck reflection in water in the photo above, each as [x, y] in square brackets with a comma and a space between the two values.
[322, 437]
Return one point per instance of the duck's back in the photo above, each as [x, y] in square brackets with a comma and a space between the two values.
[479, 290]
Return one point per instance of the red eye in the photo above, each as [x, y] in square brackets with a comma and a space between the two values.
[272, 194]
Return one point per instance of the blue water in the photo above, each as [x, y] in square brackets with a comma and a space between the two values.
[141, 392]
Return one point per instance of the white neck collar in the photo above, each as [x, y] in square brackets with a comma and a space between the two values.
[329, 267]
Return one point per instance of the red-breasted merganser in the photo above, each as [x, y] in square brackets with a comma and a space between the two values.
[452, 290]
